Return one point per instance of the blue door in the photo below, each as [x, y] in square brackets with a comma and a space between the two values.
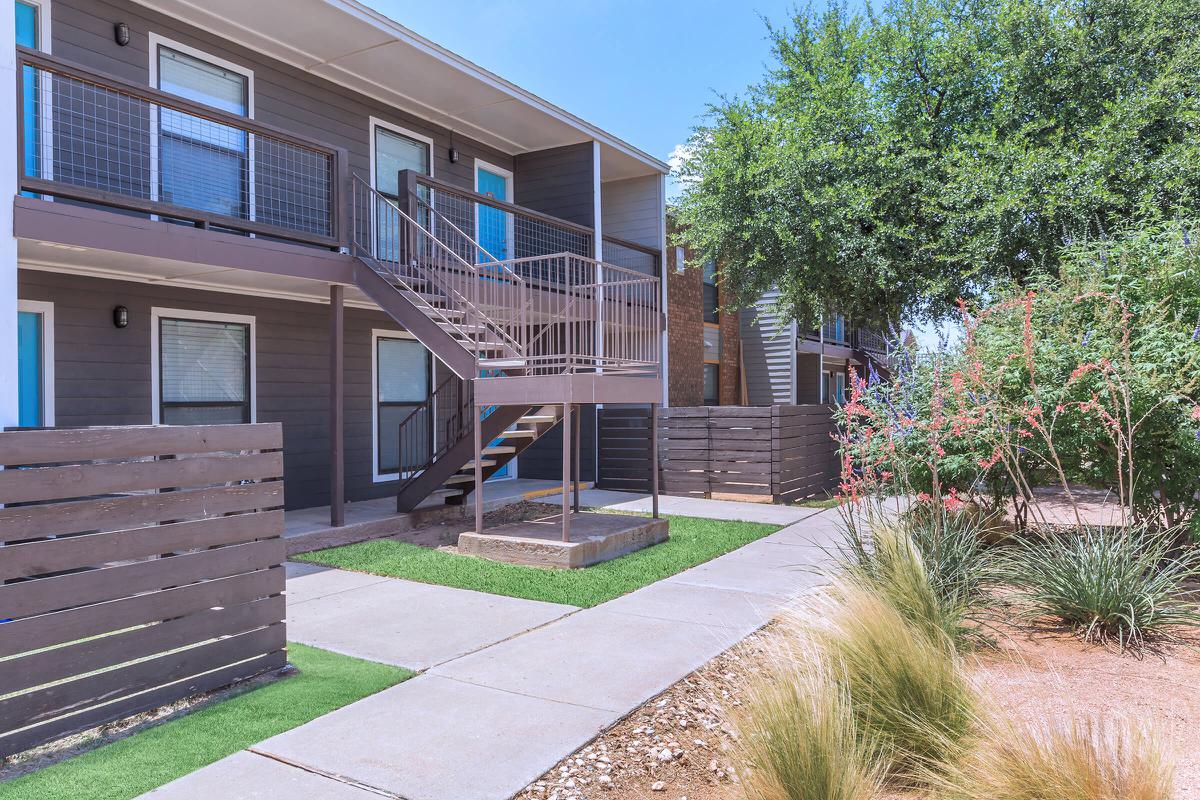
[27, 36]
[29, 369]
[492, 224]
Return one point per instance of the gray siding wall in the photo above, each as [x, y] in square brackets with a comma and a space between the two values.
[632, 209]
[102, 373]
[289, 98]
[768, 347]
[808, 386]
[558, 181]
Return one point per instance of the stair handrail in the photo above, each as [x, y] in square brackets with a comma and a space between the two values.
[458, 424]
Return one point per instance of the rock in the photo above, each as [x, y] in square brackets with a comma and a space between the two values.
[604, 781]
[658, 786]
[665, 755]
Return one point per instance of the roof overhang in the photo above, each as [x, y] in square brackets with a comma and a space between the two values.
[354, 46]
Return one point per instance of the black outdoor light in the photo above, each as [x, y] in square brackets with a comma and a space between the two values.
[121, 316]
[121, 33]
[453, 154]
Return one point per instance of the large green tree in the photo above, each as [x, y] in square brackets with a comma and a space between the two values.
[892, 162]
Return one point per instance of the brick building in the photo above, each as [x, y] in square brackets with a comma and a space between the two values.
[703, 338]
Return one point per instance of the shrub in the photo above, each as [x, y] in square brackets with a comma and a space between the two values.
[1073, 761]
[798, 738]
[1108, 583]
[935, 573]
[911, 703]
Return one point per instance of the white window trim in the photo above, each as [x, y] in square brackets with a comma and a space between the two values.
[46, 309]
[376, 122]
[157, 41]
[510, 231]
[376, 335]
[44, 17]
[157, 313]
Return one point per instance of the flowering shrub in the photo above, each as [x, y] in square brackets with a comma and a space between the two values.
[1089, 378]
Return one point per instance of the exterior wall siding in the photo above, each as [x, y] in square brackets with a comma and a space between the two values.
[102, 373]
[558, 181]
[631, 210]
[284, 96]
[768, 353]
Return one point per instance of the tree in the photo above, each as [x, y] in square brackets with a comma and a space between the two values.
[891, 163]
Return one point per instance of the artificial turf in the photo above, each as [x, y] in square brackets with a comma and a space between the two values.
[146, 760]
[693, 541]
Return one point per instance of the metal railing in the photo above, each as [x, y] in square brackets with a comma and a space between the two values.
[539, 314]
[630, 255]
[871, 341]
[95, 138]
[434, 427]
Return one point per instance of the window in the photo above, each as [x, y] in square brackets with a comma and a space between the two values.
[392, 150]
[202, 164]
[833, 387]
[835, 329]
[711, 310]
[35, 364]
[203, 368]
[712, 384]
[403, 374]
[680, 260]
[33, 31]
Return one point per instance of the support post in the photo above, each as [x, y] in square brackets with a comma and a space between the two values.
[576, 471]
[337, 399]
[566, 471]
[654, 458]
[478, 468]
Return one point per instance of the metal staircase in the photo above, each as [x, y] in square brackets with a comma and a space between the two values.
[536, 315]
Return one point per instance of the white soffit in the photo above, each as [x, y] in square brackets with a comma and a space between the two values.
[345, 42]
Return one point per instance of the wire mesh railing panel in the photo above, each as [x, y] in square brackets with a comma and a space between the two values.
[620, 254]
[86, 140]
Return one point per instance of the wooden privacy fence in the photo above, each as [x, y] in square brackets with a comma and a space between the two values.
[138, 566]
[773, 453]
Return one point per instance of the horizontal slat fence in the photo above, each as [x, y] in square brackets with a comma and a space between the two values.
[138, 565]
[772, 453]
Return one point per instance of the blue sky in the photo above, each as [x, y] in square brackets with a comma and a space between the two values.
[644, 71]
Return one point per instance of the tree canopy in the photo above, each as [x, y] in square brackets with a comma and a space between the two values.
[892, 162]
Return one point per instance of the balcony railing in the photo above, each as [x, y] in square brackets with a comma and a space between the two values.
[858, 338]
[541, 313]
[94, 138]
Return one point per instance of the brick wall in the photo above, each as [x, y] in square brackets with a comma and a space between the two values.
[685, 335]
[685, 339]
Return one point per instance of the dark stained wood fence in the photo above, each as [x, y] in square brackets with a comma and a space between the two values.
[772, 453]
[138, 565]
[624, 448]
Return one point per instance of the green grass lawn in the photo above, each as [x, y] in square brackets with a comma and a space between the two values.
[693, 541]
[135, 765]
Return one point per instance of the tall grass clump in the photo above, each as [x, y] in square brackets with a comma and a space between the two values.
[1076, 760]
[912, 705]
[797, 735]
[1108, 584]
[936, 573]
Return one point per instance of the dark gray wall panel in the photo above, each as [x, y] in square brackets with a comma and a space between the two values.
[102, 373]
[558, 181]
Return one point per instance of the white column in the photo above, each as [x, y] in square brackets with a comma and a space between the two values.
[9, 114]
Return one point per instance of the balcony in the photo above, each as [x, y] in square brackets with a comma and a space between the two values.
[98, 140]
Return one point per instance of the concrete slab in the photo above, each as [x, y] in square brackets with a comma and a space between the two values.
[593, 538]
[706, 605]
[695, 507]
[596, 659]
[307, 582]
[413, 625]
[780, 578]
[249, 776]
[432, 738]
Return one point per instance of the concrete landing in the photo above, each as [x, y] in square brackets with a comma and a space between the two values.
[538, 543]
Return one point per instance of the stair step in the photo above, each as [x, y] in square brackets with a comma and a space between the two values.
[517, 434]
[487, 462]
[538, 418]
[460, 478]
[499, 450]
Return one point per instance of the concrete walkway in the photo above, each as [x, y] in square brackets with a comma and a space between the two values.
[484, 724]
[687, 506]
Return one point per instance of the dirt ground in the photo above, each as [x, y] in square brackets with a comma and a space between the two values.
[678, 745]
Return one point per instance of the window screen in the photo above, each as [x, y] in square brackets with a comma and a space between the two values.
[204, 372]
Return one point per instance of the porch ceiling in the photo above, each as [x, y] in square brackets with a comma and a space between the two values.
[345, 42]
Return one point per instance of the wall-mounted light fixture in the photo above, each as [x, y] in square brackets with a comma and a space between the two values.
[453, 154]
[121, 33]
[121, 317]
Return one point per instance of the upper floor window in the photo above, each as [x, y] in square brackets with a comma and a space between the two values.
[711, 303]
[203, 164]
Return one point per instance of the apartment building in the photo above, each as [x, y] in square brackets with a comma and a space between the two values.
[303, 212]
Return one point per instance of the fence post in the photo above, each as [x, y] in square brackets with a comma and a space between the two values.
[776, 460]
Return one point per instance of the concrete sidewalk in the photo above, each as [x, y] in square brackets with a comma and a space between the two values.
[739, 511]
[483, 725]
